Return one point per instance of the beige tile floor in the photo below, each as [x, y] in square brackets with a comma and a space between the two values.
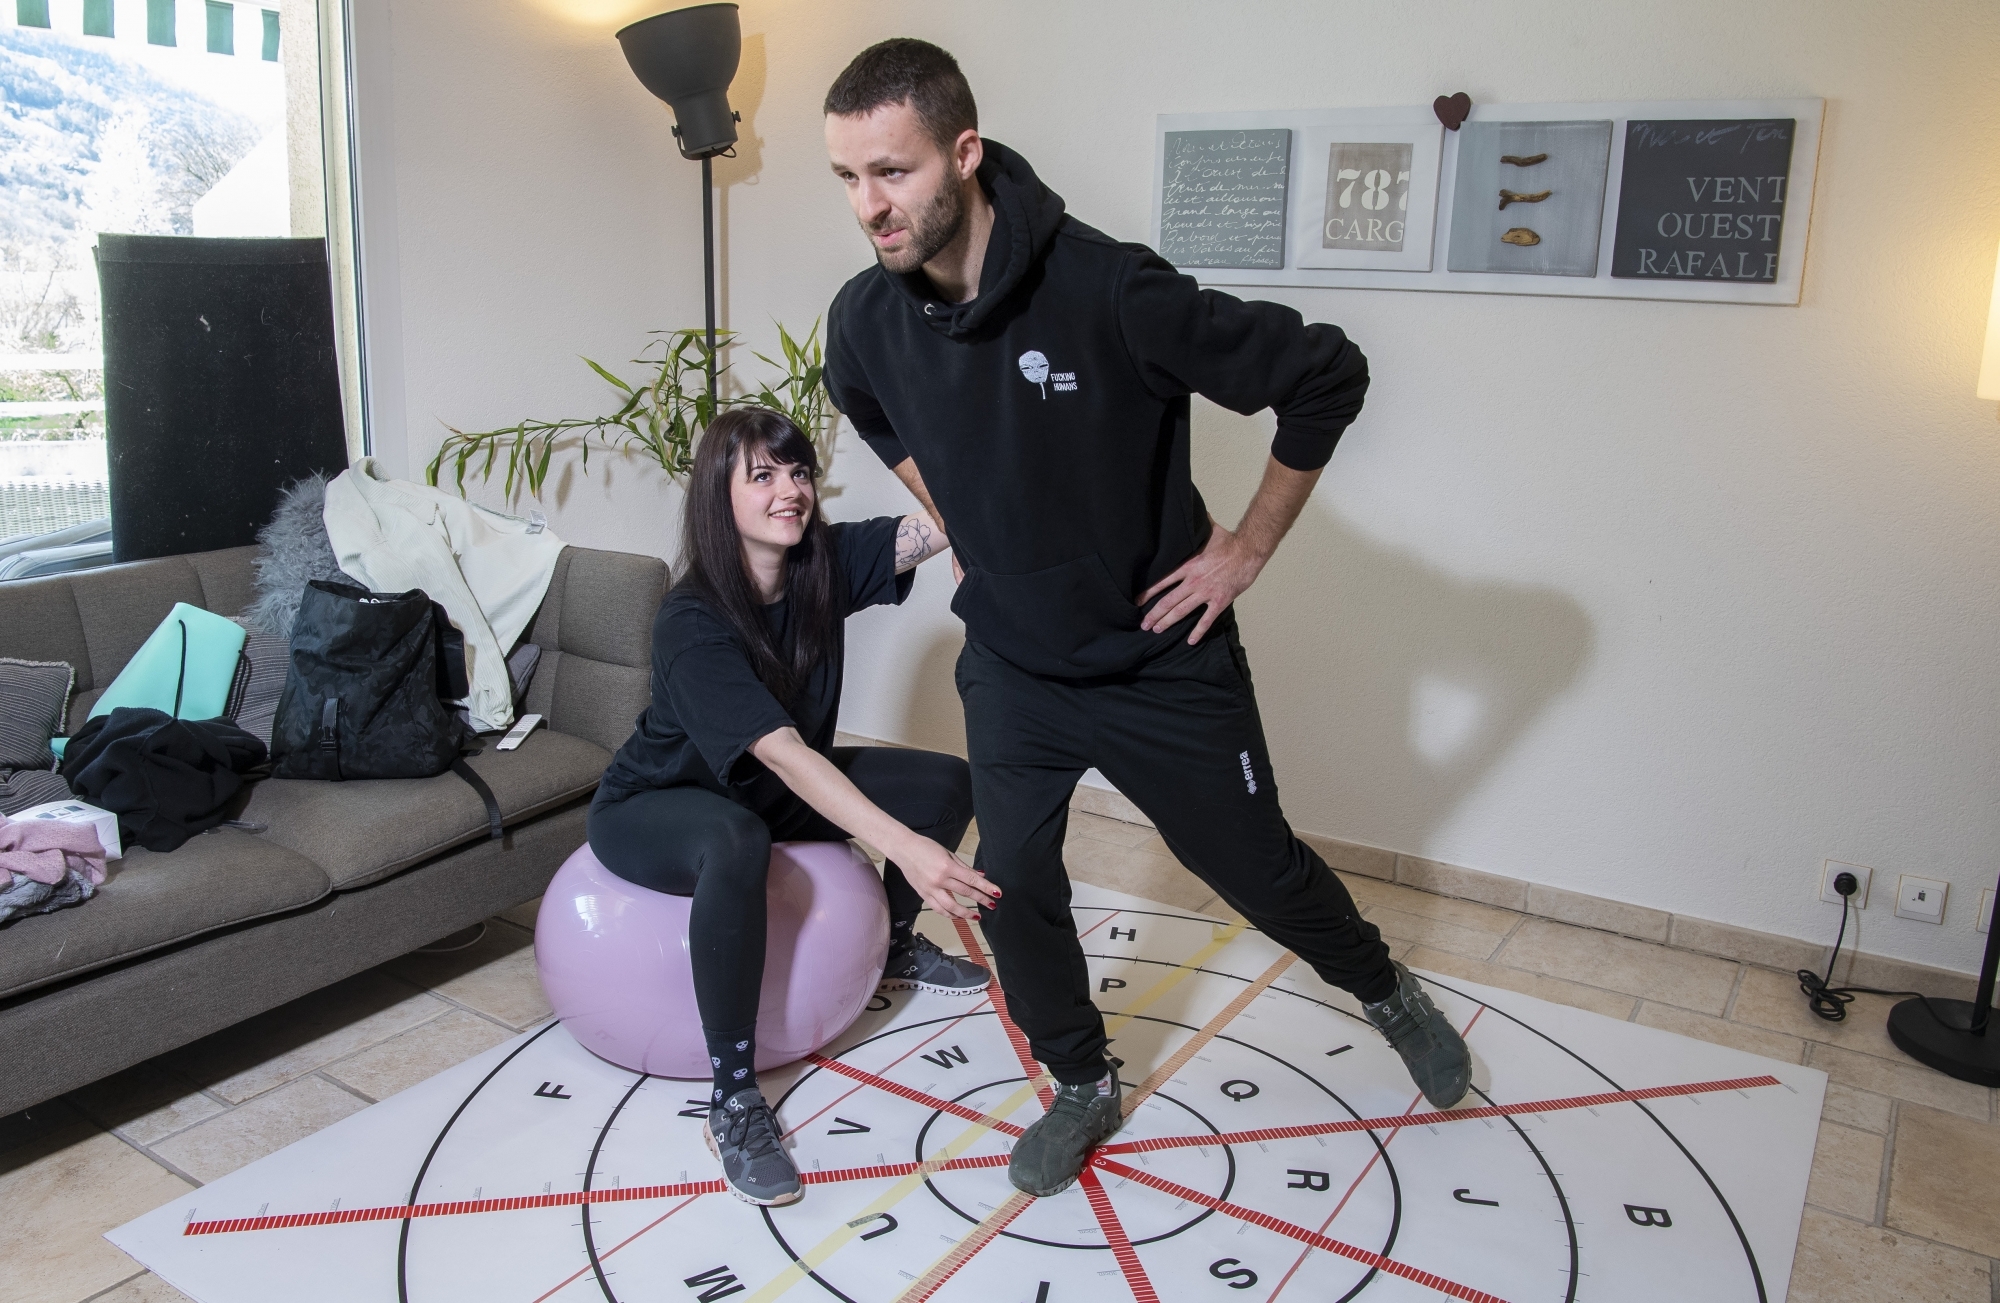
[1901, 1205]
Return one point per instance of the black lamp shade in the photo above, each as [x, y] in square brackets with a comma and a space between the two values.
[687, 57]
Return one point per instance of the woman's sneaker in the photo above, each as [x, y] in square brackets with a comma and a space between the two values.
[918, 964]
[743, 1135]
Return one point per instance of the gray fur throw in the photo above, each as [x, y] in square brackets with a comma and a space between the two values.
[292, 550]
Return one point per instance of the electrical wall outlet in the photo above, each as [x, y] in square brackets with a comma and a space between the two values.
[1833, 869]
[1985, 919]
[1921, 899]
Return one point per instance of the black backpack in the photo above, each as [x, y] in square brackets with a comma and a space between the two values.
[366, 691]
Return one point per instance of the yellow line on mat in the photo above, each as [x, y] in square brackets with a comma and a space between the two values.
[810, 1260]
[1135, 1007]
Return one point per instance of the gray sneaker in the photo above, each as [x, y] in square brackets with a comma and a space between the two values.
[920, 965]
[1431, 1047]
[743, 1135]
[1053, 1150]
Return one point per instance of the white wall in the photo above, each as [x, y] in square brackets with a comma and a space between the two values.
[1661, 602]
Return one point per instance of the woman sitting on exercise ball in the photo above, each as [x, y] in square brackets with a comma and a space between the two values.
[736, 752]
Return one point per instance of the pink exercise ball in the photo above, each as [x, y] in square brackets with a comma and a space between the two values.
[613, 959]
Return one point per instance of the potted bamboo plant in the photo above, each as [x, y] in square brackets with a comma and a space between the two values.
[660, 417]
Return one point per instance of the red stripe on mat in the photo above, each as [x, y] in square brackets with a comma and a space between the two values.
[1114, 1234]
[1300, 1233]
[1446, 1115]
[914, 1096]
[1029, 1067]
[568, 1199]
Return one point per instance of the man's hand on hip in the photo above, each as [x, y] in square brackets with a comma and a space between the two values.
[1230, 562]
[1211, 578]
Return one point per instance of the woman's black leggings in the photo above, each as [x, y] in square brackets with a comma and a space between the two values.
[688, 841]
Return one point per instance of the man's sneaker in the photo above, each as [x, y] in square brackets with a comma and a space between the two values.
[743, 1135]
[919, 964]
[1431, 1047]
[1051, 1152]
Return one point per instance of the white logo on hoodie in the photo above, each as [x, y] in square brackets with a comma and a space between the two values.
[1035, 368]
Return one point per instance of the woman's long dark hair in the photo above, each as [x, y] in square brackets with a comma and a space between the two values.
[712, 549]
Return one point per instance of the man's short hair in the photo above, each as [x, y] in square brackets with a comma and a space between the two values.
[908, 71]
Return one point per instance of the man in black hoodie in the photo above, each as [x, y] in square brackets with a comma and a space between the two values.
[1029, 378]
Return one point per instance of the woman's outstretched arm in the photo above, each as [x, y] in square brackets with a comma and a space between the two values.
[934, 871]
[918, 539]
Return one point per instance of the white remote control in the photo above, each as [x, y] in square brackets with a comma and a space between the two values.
[515, 735]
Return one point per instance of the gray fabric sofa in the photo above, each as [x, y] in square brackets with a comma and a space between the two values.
[175, 946]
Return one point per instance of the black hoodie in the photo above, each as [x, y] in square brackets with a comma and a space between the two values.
[1049, 416]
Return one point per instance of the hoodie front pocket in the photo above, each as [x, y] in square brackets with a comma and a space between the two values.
[1067, 620]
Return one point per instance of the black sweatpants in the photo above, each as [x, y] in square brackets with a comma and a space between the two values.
[1180, 736]
[688, 841]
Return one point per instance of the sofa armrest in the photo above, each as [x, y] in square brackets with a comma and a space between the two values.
[595, 629]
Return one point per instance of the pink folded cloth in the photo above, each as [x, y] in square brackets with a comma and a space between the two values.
[46, 849]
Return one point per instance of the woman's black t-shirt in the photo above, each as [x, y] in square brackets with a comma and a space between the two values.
[709, 706]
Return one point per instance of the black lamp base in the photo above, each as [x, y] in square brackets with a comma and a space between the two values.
[1945, 1042]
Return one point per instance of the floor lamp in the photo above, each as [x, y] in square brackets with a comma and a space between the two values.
[688, 57]
[1957, 1038]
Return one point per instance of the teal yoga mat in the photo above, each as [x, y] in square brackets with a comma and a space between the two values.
[155, 676]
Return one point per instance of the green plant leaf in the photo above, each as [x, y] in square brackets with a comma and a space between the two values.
[607, 375]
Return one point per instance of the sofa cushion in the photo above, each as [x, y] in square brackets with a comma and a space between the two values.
[34, 695]
[260, 682]
[366, 829]
[595, 630]
[152, 900]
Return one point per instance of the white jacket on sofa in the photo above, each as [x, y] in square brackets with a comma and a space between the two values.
[489, 571]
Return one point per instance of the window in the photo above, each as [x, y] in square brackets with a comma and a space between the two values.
[124, 129]
[221, 27]
[160, 22]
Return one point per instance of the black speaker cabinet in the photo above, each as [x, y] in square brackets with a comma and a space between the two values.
[220, 385]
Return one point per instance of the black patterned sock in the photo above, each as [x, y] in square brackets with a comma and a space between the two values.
[733, 1057]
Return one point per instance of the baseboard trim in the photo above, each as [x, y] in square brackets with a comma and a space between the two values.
[1682, 931]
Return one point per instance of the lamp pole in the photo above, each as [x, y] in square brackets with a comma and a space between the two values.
[688, 57]
[708, 265]
[1957, 1038]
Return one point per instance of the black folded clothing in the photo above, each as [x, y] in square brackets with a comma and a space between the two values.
[166, 779]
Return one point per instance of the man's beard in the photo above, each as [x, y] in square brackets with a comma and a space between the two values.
[932, 227]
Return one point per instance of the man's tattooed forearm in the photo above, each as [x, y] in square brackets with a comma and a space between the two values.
[915, 541]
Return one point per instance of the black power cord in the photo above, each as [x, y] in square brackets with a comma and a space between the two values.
[1827, 1000]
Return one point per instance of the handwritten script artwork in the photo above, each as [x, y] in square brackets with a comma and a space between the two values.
[1222, 198]
[1367, 197]
[1529, 197]
[1704, 199]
